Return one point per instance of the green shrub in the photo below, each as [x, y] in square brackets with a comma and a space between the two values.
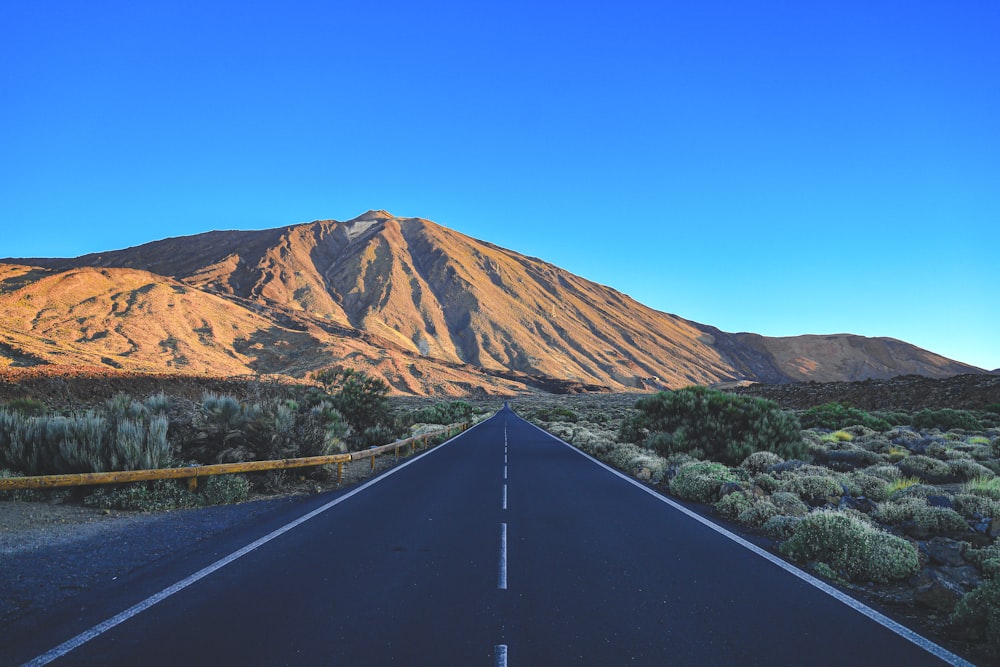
[967, 469]
[851, 546]
[448, 413]
[814, 489]
[781, 527]
[225, 489]
[927, 520]
[758, 513]
[987, 486]
[978, 614]
[901, 484]
[968, 505]
[760, 461]
[789, 504]
[926, 468]
[124, 437]
[156, 496]
[732, 505]
[835, 416]
[30, 407]
[872, 487]
[947, 419]
[700, 481]
[886, 472]
[555, 414]
[724, 427]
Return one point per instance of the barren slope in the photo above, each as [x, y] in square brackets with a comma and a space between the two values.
[408, 294]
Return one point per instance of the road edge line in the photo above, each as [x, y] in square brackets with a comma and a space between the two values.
[858, 606]
[136, 609]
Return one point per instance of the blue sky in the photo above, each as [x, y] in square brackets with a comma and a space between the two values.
[776, 167]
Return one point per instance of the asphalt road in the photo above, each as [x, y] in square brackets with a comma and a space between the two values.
[502, 547]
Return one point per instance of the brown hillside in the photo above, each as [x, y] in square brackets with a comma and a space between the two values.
[396, 296]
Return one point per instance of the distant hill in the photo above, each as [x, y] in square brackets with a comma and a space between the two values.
[427, 308]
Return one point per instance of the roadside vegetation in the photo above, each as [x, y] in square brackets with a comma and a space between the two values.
[903, 508]
[349, 411]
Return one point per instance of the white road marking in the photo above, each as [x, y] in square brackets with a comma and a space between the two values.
[101, 628]
[504, 496]
[500, 655]
[858, 606]
[502, 579]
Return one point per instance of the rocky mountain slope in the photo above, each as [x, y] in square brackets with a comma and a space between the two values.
[429, 309]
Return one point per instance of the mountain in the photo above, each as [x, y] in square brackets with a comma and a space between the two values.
[427, 308]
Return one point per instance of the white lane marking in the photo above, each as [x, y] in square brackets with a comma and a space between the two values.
[502, 579]
[504, 496]
[856, 605]
[101, 628]
[500, 655]
[505, 473]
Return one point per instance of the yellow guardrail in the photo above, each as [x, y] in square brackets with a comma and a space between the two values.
[192, 473]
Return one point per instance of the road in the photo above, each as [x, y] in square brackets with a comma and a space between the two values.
[501, 547]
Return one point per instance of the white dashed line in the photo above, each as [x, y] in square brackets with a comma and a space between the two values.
[502, 579]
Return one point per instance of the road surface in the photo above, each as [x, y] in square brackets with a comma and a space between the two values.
[502, 547]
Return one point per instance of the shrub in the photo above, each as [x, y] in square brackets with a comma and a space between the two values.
[849, 545]
[901, 484]
[886, 472]
[446, 413]
[156, 496]
[780, 527]
[966, 469]
[871, 486]
[758, 513]
[836, 416]
[700, 481]
[926, 468]
[946, 419]
[985, 486]
[732, 505]
[555, 414]
[760, 461]
[789, 504]
[814, 489]
[225, 489]
[978, 613]
[969, 505]
[29, 407]
[926, 520]
[726, 428]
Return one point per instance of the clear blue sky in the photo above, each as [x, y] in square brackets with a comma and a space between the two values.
[776, 167]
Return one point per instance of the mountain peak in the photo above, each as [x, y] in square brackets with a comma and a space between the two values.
[374, 215]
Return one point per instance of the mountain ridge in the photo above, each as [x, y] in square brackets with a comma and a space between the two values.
[403, 297]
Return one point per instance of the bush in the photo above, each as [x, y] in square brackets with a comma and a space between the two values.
[225, 489]
[969, 505]
[555, 414]
[947, 419]
[851, 546]
[789, 504]
[986, 486]
[732, 505]
[760, 461]
[926, 468]
[444, 413]
[872, 487]
[124, 437]
[700, 481]
[835, 416]
[978, 613]
[758, 513]
[780, 527]
[919, 518]
[156, 496]
[814, 489]
[724, 427]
